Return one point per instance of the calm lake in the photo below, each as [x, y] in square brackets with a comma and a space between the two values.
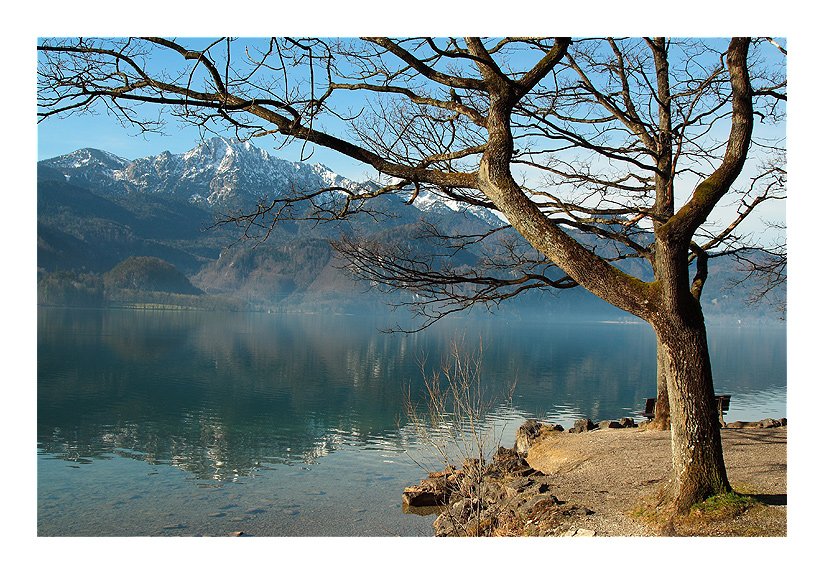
[188, 423]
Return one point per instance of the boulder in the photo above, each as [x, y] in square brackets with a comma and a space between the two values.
[742, 424]
[449, 470]
[768, 422]
[538, 486]
[582, 425]
[609, 425]
[507, 462]
[453, 521]
[526, 435]
[529, 506]
[764, 423]
[434, 484]
[504, 454]
[627, 422]
[516, 486]
[472, 470]
[424, 496]
[435, 489]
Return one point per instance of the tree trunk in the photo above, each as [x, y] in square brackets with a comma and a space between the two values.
[661, 420]
[698, 466]
[667, 303]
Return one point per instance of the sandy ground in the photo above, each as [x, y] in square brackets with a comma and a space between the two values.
[613, 471]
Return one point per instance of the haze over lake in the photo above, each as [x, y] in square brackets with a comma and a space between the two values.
[195, 423]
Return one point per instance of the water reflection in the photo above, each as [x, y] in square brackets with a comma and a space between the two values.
[227, 396]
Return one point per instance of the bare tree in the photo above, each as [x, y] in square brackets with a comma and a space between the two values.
[592, 151]
[460, 420]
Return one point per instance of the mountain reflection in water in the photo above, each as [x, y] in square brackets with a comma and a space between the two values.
[240, 398]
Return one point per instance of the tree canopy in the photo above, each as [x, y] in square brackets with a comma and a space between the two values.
[592, 151]
[605, 136]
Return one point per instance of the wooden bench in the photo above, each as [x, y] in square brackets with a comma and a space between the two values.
[722, 406]
[650, 408]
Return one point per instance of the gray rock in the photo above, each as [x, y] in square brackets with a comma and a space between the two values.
[517, 466]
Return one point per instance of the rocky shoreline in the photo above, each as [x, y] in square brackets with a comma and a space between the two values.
[509, 496]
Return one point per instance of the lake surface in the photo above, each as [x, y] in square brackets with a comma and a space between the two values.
[186, 423]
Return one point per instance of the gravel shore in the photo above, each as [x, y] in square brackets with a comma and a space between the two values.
[613, 471]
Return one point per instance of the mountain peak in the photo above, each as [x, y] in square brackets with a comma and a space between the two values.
[217, 172]
[87, 158]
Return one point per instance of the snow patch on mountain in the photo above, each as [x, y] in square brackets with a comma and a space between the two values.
[430, 202]
[220, 170]
[88, 158]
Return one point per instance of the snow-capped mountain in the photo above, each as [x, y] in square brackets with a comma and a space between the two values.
[89, 167]
[431, 203]
[214, 173]
[90, 224]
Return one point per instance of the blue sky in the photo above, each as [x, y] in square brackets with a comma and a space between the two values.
[61, 136]
[56, 137]
[101, 130]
